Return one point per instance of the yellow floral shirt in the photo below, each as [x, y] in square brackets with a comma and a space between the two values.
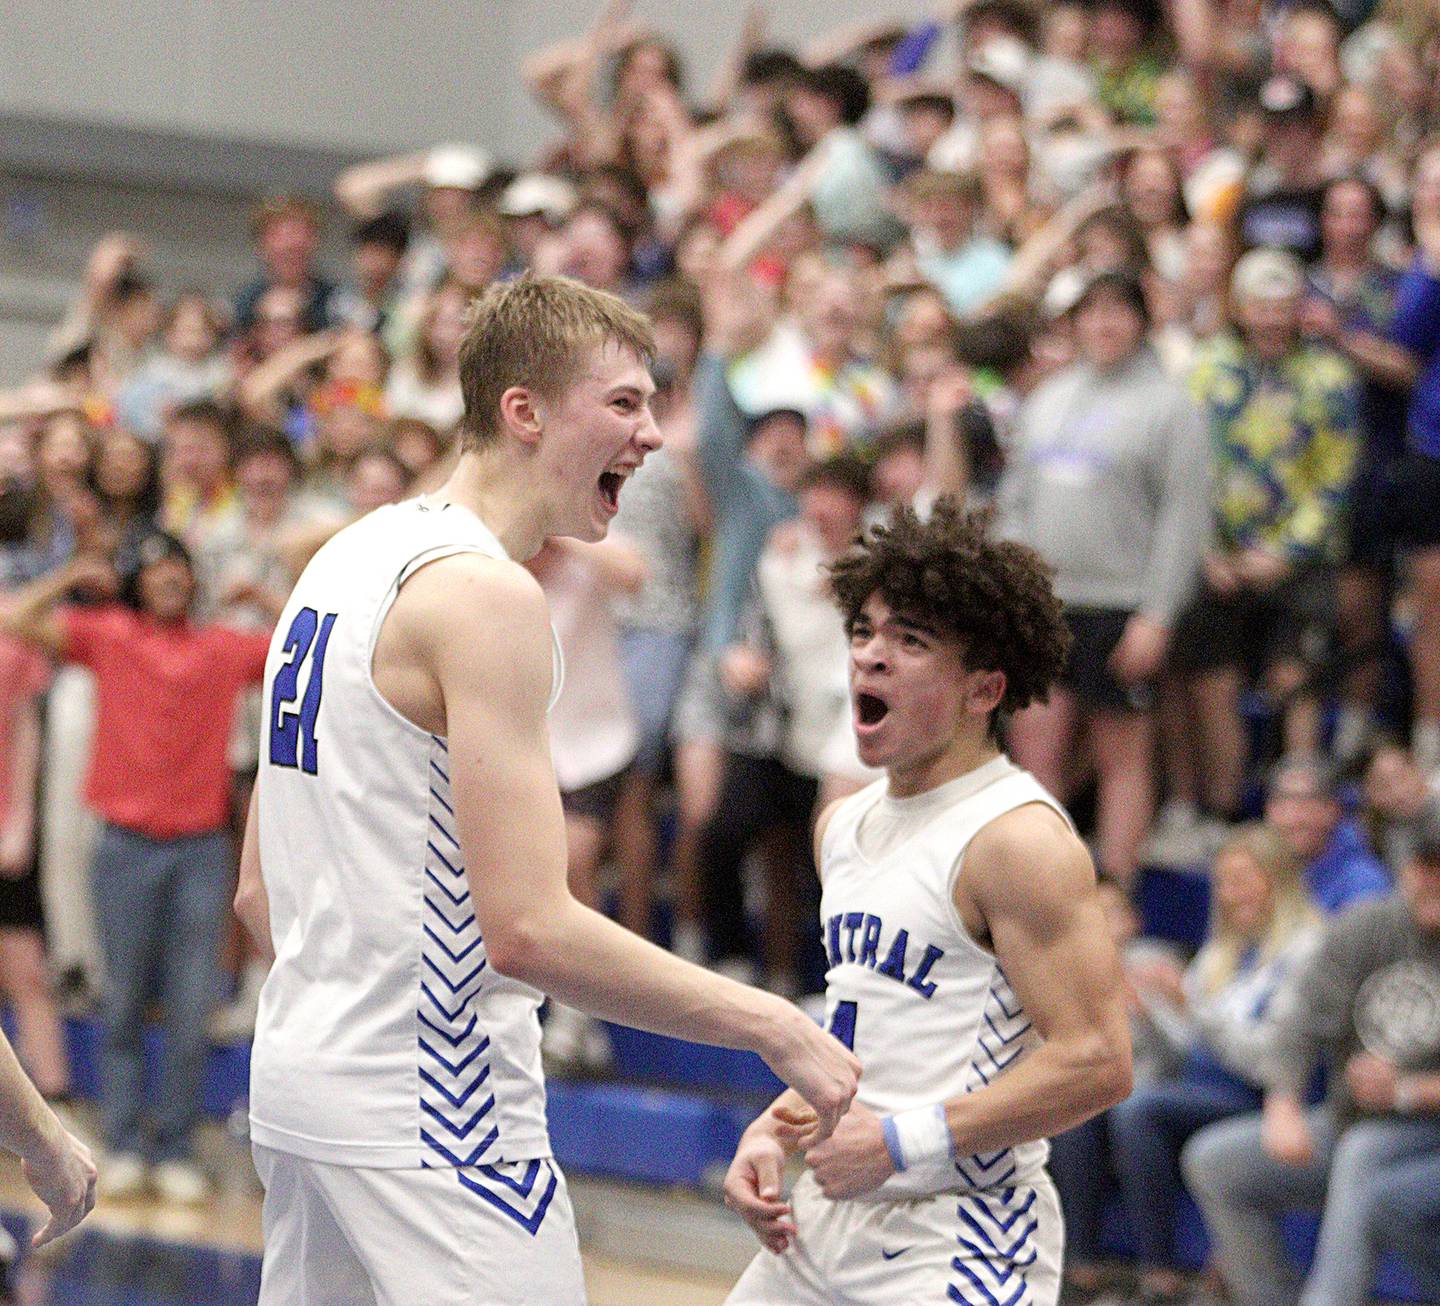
[1286, 444]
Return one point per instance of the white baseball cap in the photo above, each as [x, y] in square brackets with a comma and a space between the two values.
[538, 192]
[1003, 60]
[463, 167]
[1267, 274]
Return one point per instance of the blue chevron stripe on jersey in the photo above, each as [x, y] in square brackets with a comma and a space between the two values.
[456, 957]
[1010, 1253]
[455, 985]
[985, 1206]
[1010, 1037]
[459, 1067]
[454, 870]
[997, 1063]
[453, 973]
[460, 1099]
[453, 1160]
[454, 1040]
[455, 927]
[450, 1016]
[435, 821]
[1015, 1263]
[979, 1179]
[511, 1198]
[454, 901]
[967, 1296]
[996, 1256]
[999, 1043]
[461, 1129]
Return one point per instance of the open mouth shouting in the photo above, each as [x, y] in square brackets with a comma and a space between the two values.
[870, 713]
[610, 484]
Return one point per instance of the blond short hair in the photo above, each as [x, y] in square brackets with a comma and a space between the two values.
[532, 332]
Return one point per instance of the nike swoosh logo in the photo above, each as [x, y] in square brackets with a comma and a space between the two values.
[890, 1256]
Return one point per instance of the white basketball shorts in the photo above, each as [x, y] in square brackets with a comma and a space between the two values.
[1001, 1247]
[495, 1235]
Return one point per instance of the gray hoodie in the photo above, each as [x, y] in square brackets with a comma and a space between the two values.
[1109, 480]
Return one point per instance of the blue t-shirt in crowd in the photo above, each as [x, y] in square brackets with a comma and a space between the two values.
[1345, 872]
[1417, 327]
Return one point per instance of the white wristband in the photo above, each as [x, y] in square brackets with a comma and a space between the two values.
[1406, 1098]
[917, 1136]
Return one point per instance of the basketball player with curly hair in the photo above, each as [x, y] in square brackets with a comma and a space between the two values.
[969, 967]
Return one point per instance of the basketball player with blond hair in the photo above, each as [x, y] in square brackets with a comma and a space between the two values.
[969, 964]
[405, 856]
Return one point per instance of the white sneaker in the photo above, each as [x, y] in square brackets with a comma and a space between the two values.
[181, 1183]
[232, 1023]
[235, 1021]
[123, 1177]
[740, 969]
[1177, 838]
[687, 941]
[572, 1041]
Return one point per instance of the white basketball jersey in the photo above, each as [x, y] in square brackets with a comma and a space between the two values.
[384, 1038]
[926, 1009]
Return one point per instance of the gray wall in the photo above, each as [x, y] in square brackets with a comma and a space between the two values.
[331, 74]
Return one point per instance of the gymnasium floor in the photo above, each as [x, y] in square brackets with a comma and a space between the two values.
[143, 1254]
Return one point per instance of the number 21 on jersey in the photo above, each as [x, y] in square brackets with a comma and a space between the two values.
[292, 729]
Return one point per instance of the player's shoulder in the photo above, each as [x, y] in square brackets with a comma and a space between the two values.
[1028, 846]
[849, 805]
[479, 625]
[469, 587]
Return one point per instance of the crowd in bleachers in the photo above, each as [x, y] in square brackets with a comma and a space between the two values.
[1158, 283]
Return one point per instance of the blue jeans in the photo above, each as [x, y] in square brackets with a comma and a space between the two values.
[159, 904]
[1244, 1192]
[1147, 1132]
[1401, 1206]
[1080, 1166]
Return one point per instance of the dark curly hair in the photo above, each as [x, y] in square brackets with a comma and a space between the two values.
[993, 596]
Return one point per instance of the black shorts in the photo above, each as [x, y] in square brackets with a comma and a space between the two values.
[1412, 501]
[596, 801]
[1369, 532]
[1294, 622]
[20, 907]
[1087, 674]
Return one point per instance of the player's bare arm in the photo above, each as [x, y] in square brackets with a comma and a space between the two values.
[754, 1180]
[252, 903]
[1027, 891]
[1028, 888]
[475, 631]
[56, 1164]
